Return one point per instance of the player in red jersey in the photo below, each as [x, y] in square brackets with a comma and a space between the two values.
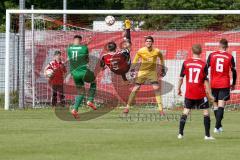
[119, 61]
[221, 62]
[56, 81]
[197, 89]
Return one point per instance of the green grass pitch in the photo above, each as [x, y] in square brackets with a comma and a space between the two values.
[40, 135]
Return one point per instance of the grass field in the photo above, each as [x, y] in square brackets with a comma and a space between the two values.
[40, 135]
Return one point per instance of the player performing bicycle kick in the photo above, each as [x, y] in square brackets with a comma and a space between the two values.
[119, 61]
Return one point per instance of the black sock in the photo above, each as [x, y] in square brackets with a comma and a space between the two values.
[182, 123]
[207, 122]
[219, 117]
[215, 112]
[220, 125]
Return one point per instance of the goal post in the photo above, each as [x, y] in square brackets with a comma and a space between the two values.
[97, 12]
[7, 58]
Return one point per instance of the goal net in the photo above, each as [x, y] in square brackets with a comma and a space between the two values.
[44, 33]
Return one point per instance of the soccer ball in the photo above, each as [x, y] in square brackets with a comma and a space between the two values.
[49, 73]
[110, 20]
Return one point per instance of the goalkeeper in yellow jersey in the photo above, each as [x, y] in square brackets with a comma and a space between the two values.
[147, 72]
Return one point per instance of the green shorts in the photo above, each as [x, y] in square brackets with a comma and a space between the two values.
[81, 76]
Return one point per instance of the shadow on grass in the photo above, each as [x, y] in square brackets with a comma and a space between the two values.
[105, 107]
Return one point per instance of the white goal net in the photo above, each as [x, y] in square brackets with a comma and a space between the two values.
[44, 33]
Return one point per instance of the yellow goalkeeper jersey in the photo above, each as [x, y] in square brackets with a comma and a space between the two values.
[148, 59]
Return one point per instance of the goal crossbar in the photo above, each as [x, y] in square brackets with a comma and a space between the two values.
[103, 12]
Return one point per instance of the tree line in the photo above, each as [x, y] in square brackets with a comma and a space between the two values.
[155, 22]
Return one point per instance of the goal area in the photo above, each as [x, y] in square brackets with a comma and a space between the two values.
[32, 37]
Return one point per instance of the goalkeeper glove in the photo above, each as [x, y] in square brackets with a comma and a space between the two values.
[132, 73]
[127, 24]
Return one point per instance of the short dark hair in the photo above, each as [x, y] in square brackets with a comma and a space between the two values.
[149, 37]
[77, 36]
[111, 46]
[57, 52]
[196, 49]
[224, 43]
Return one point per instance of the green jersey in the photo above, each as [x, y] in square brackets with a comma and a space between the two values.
[78, 57]
[78, 60]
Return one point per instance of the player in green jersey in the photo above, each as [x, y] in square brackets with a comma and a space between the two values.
[78, 58]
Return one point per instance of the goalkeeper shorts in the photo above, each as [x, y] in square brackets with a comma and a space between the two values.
[149, 77]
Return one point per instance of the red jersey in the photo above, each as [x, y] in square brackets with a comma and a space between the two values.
[118, 62]
[195, 71]
[220, 62]
[58, 72]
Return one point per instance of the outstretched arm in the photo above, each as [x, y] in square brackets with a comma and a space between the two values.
[127, 26]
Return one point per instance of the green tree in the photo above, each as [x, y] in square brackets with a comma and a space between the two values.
[156, 22]
[58, 4]
[3, 6]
